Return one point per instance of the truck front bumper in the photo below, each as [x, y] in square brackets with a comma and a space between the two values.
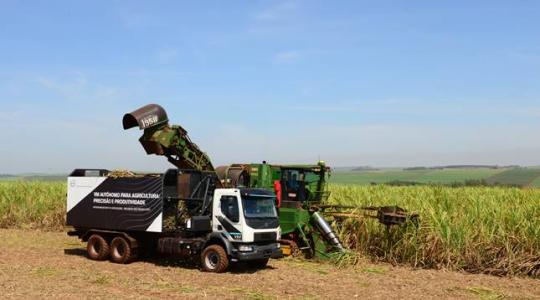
[259, 252]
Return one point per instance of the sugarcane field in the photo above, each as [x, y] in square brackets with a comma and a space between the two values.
[269, 150]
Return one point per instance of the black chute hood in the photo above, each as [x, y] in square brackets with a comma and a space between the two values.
[145, 117]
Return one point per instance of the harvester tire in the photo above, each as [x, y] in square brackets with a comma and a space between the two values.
[121, 251]
[259, 263]
[97, 247]
[214, 259]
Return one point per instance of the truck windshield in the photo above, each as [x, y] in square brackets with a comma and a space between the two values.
[259, 207]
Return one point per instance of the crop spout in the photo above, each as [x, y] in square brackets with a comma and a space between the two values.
[148, 116]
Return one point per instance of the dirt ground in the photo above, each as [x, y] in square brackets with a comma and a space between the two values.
[53, 265]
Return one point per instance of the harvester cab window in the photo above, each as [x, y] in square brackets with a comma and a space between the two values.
[293, 180]
[295, 185]
[229, 207]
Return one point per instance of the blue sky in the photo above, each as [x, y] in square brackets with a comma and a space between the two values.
[381, 83]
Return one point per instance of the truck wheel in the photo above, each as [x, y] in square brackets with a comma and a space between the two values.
[214, 259]
[260, 263]
[97, 247]
[121, 251]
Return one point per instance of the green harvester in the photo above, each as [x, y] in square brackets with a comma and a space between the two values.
[304, 217]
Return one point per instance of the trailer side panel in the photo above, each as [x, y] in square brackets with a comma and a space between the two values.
[115, 203]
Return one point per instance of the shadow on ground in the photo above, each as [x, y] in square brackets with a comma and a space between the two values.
[186, 263]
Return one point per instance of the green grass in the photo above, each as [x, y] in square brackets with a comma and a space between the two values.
[518, 176]
[485, 293]
[34, 178]
[367, 177]
[493, 230]
[375, 270]
[535, 183]
[515, 176]
[448, 176]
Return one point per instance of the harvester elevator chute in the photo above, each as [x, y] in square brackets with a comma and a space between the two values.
[160, 138]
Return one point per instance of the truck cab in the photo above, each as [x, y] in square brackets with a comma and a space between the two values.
[248, 220]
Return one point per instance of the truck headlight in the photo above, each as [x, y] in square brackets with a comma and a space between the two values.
[245, 248]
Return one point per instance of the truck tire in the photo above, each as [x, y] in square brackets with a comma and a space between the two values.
[259, 263]
[214, 259]
[97, 247]
[121, 251]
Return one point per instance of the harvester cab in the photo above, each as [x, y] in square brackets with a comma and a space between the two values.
[303, 183]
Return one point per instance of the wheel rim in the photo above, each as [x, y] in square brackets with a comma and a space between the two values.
[212, 260]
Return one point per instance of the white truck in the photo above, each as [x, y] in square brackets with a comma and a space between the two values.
[179, 213]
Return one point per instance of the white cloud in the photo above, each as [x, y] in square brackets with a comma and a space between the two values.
[408, 107]
[76, 87]
[277, 11]
[277, 20]
[335, 108]
[135, 19]
[167, 55]
[9, 116]
[69, 86]
[287, 56]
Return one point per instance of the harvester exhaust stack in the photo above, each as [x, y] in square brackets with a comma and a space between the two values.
[160, 138]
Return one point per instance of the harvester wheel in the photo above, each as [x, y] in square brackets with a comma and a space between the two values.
[259, 263]
[121, 251]
[214, 259]
[97, 247]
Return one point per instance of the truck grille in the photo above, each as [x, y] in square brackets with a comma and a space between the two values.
[264, 236]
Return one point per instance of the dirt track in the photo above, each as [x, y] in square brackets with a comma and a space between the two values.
[53, 265]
